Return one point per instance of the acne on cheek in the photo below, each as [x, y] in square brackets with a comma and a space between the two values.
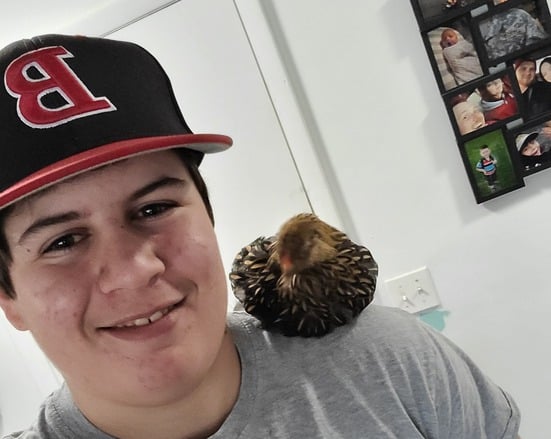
[62, 307]
[56, 302]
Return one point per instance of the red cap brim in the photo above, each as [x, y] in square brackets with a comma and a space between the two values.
[112, 152]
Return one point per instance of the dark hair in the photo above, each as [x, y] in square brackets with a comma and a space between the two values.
[517, 62]
[191, 160]
[5, 256]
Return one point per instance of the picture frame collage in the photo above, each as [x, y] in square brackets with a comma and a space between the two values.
[492, 63]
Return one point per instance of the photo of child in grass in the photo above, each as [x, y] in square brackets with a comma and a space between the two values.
[491, 168]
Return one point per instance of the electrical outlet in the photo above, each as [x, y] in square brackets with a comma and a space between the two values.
[414, 292]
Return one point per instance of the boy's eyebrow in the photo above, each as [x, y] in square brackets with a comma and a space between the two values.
[71, 216]
[46, 222]
[162, 182]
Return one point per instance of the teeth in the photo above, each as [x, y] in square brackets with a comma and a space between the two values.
[146, 320]
[156, 316]
[139, 322]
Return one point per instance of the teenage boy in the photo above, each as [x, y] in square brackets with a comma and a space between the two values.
[109, 257]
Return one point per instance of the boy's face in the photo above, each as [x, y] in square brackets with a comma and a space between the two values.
[99, 257]
[532, 148]
[526, 73]
[492, 91]
[485, 152]
[469, 117]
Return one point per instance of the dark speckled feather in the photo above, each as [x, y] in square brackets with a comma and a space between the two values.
[330, 280]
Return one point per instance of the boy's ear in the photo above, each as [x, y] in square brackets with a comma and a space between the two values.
[10, 306]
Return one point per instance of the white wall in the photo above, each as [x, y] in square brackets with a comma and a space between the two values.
[361, 111]
[365, 82]
[26, 377]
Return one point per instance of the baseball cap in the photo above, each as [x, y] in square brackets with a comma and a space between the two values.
[523, 139]
[73, 103]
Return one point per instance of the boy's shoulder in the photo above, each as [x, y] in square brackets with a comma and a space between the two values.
[376, 329]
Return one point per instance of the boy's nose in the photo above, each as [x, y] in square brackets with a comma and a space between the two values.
[128, 262]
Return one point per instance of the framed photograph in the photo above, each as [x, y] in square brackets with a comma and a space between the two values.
[431, 13]
[491, 167]
[489, 102]
[533, 145]
[492, 62]
[453, 56]
[512, 29]
[533, 77]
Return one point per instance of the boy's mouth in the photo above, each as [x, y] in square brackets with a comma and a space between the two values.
[142, 321]
[146, 320]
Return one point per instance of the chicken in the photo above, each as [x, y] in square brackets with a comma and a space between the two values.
[307, 280]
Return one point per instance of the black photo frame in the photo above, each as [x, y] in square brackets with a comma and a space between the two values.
[531, 71]
[491, 165]
[522, 70]
[454, 61]
[511, 29]
[532, 143]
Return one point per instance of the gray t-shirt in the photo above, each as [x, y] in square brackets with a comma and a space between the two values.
[387, 375]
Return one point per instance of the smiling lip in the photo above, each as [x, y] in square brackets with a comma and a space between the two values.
[158, 326]
[147, 320]
[144, 321]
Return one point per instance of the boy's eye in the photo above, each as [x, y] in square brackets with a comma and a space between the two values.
[63, 243]
[152, 210]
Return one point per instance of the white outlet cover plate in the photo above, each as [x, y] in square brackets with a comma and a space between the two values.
[413, 292]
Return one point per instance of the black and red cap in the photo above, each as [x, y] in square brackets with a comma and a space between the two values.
[71, 103]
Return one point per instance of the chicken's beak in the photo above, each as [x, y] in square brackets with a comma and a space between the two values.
[285, 263]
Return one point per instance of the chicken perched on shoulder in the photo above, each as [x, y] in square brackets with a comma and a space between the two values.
[307, 280]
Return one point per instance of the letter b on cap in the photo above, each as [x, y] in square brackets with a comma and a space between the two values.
[35, 75]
